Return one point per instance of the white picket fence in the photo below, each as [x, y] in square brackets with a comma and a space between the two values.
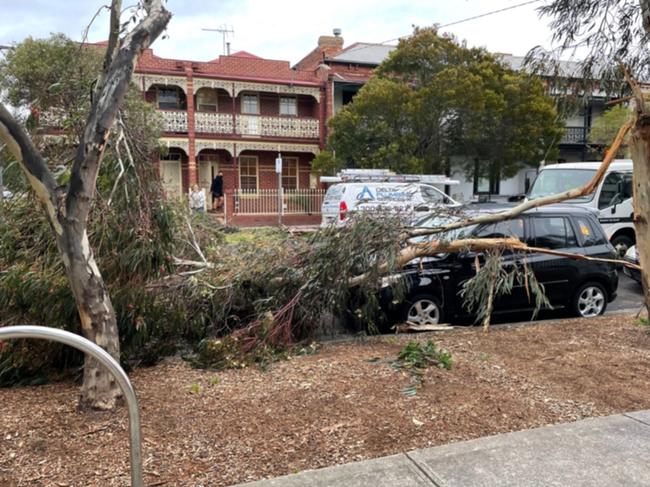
[267, 201]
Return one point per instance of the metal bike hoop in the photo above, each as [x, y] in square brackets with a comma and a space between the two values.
[104, 358]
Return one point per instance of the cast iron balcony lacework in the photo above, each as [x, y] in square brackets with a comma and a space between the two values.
[256, 125]
[174, 120]
[213, 123]
[574, 135]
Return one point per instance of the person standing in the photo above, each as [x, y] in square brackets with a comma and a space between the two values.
[217, 191]
[197, 199]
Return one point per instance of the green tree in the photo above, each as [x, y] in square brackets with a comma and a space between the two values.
[605, 127]
[433, 100]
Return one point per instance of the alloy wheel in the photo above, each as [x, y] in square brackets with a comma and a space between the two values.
[591, 302]
[424, 312]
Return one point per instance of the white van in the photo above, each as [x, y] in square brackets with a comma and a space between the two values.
[408, 199]
[612, 199]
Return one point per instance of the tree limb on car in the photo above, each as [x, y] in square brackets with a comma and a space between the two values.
[427, 249]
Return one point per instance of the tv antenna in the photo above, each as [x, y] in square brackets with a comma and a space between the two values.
[225, 31]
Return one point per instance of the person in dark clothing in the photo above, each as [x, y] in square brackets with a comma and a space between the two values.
[216, 189]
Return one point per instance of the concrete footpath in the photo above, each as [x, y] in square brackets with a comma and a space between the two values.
[608, 451]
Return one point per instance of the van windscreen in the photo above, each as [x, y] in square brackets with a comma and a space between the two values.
[555, 181]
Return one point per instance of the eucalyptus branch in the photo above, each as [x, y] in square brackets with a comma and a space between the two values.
[588, 188]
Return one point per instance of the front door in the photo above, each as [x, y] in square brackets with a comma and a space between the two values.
[208, 169]
[170, 174]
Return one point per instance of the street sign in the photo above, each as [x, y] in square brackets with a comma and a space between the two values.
[278, 165]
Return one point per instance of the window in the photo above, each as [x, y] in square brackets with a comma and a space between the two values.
[248, 172]
[588, 233]
[432, 195]
[553, 232]
[206, 100]
[486, 183]
[504, 229]
[288, 106]
[250, 104]
[616, 188]
[169, 98]
[290, 172]
[558, 180]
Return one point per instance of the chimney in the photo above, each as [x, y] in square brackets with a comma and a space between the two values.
[331, 43]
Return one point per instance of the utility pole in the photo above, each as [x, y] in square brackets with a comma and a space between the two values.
[224, 30]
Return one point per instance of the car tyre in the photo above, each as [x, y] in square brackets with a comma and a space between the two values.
[590, 300]
[622, 243]
[422, 309]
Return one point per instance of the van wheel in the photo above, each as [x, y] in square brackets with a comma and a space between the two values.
[422, 309]
[622, 243]
[590, 300]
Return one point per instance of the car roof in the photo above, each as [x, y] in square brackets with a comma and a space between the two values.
[616, 165]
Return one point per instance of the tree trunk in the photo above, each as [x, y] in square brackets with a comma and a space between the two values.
[98, 323]
[640, 149]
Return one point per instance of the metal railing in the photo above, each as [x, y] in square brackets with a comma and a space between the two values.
[266, 201]
[103, 357]
[574, 135]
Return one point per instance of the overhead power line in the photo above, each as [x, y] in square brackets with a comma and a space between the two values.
[467, 19]
[490, 13]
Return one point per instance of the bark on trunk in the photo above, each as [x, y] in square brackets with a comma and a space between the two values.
[98, 323]
[640, 149]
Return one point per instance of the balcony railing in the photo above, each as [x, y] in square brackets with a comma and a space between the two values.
[213, 123]
[246, 125]
[174, 120]
[574, 135]
[256, 125]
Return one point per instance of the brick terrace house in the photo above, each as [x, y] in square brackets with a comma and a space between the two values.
[235, 114]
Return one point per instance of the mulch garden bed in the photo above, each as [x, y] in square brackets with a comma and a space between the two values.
[342, 404]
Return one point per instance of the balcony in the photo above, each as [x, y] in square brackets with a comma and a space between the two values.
[292, 127]
[213, 123]
[574, 135]
[174, 120]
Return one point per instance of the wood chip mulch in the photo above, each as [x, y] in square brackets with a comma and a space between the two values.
[342, 404]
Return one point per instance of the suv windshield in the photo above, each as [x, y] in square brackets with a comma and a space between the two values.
[555, 181]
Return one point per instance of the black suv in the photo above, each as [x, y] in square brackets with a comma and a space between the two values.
[585, 287]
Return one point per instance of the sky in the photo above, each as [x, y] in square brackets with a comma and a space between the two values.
[287, 29]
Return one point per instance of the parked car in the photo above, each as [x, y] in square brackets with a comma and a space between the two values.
[585, 287]
[407, 199]
[632, 256]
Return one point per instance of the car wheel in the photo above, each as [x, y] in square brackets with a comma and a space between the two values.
[622, 243]
[423, 309]
[590, 300]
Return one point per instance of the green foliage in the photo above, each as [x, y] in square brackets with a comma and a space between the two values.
[415, 358]
[494, 279]
[641, 321]
[45, 74]
[604, 129]
[433, 100]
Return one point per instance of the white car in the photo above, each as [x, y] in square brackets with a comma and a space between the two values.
[406, 199]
